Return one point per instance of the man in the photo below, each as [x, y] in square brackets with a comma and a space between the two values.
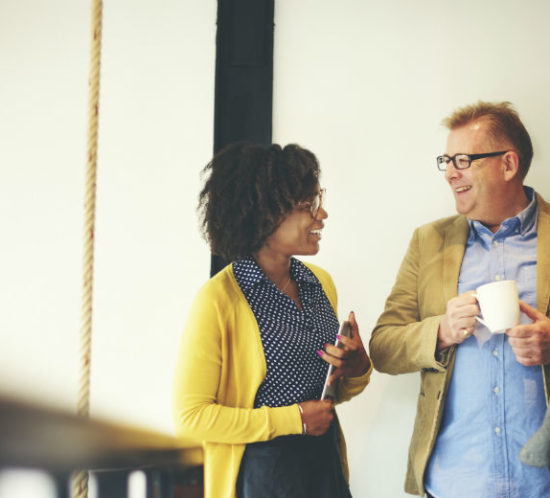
[482, 395]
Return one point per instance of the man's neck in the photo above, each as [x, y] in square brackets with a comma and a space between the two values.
[517, 204]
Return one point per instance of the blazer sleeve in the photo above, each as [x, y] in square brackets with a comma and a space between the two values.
[205, 402]
[403, 341]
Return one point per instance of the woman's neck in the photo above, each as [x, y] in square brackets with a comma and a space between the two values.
[276, 267]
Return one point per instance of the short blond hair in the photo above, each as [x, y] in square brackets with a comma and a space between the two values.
[503, 122]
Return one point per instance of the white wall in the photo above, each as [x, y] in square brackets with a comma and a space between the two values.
[364, 84]
[157, 111]
[43, 59]
[155, 134]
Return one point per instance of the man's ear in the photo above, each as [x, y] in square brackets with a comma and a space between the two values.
[510, 162]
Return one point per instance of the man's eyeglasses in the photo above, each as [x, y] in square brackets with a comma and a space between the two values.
[463, 161]
[315, 204]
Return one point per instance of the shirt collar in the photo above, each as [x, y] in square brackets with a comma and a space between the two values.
[255, 275]
[301, 273]
[521, 223]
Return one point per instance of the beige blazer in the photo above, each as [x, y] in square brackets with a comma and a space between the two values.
[405, 337]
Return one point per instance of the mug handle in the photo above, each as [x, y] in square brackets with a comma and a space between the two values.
[481, 321]
[477, 317]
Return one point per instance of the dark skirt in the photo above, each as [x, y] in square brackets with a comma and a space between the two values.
[293, 467]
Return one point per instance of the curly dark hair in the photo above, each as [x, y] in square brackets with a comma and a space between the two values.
[249, 190]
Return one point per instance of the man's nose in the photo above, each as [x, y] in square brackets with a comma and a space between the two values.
[451, 171]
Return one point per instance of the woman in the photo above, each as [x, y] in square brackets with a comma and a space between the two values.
[255, 349]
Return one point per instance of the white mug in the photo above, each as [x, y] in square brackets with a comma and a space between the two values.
[499, 305]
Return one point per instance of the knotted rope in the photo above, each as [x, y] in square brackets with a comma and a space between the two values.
[80, 478]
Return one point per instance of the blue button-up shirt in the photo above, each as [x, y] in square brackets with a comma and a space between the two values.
[494, 404]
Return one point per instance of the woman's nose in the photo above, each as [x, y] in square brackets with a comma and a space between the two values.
[321, 213]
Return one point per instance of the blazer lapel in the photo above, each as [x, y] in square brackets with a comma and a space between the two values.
[454, 246]
[543, 256]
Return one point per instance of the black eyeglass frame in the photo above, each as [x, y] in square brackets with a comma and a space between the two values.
[471, 158]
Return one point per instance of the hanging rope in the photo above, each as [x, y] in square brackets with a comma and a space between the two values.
[80, 478]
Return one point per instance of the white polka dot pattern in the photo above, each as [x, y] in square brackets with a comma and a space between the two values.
[290, 337]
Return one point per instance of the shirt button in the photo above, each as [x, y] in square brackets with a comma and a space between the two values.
[495, 242]
[495, 352]
[497, 430]
[497, 277]
[496, 390]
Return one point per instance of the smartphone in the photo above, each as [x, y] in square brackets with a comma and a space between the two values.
[330, 391]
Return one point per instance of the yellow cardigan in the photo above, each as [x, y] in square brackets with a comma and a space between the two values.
[220, 366]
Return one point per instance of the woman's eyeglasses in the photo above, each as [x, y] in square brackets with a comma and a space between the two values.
[315, 204]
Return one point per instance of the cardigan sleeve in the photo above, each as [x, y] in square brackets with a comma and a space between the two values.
[208, 403]
[348, 387]
[401, 341]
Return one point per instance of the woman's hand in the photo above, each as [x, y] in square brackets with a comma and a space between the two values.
[316, 416]
[352, 360]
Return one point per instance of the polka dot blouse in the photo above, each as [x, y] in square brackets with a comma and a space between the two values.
[291, 337]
